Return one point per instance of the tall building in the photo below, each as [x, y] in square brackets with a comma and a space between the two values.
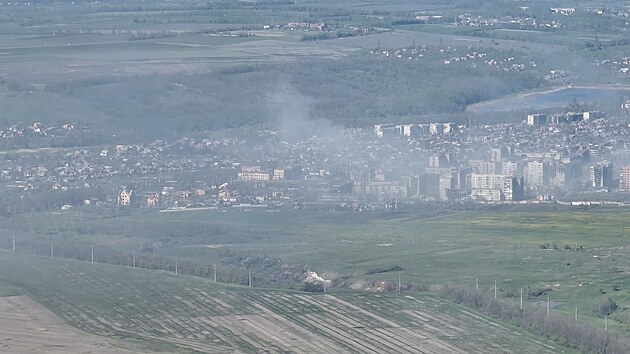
[385, 130]
[435, 128]
[536, 119]
[534, 173]
[601, 175]
[483, 167]
[495, 155]
[445, 183]
[509, 168]
[558, 176]
[624, 179]
[487, 185]
[434, 161]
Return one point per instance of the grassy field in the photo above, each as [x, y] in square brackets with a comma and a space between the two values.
[80, 45]
[184, 314]
[405, 38]
[27, 327]
[576, 257]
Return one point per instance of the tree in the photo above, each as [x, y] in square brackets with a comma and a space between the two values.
[605, 307]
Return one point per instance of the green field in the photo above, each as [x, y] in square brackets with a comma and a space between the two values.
[184, 314]
[576, 257]
[116, 65]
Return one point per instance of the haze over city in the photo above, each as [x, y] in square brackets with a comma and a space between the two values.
[298, 176]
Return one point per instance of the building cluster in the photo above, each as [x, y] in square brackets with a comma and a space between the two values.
[540, 159]
[35, 129]
[524, 22]
[563, 10]
[414, 130]
[312, 26]
[569, 117]
[472, 57]
[620, 66]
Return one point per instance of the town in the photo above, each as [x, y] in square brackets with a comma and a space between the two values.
[571, 157]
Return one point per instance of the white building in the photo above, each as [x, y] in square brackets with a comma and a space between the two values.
[509, 168]
[435, 128]
[253, 176]
[508, 187]
[124, 197]
[278, 175]
[534, 173]
[601, 175]
[536, 119]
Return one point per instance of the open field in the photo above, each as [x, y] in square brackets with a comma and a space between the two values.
[114, 65]
[575, 256]
[406, 38]
[27, 327]
[193, 314]
[85, 56]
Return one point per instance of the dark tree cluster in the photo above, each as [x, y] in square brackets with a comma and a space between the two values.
[562, 330]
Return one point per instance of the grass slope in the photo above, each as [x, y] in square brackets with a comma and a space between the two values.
[191, 314]
[579, 257]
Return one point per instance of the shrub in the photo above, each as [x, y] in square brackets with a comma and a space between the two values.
[605, 307]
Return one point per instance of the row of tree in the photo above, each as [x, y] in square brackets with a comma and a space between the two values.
[261, 271]
[536, 319]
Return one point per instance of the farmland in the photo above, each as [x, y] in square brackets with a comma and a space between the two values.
[91, 63]
[178, 313]
[130, 131]
[27, 327]
[576, 257]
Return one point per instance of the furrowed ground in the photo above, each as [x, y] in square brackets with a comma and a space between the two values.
[195, 315]
[27, 327]
[575, 257]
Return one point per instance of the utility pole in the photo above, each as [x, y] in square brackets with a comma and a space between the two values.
[215, 272]
[250, 278]
[495, 289]
[92, 253]
[606, 323]
[13, 242]
[477, 286]
[175, 265]
[521, 299]
[133, 257]
[399, 288]
[576, 313]
[548, 306]
[52, 249]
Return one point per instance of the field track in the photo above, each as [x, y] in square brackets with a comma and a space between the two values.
[158, 311]
[28, 327]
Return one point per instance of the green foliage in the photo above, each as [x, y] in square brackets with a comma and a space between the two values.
[383, 270]
[313, 287]
[606, 307]
[560, 329]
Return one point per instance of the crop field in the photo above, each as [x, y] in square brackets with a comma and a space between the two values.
[178, 313]
[406, 38]
[85, 56]
[576, 257]
[28, 327]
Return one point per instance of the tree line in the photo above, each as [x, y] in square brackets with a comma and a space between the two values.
[263, 271]
[538, 320]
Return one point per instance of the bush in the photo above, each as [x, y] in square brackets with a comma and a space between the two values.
[605, 307]
[313, 287]
[533, 318]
